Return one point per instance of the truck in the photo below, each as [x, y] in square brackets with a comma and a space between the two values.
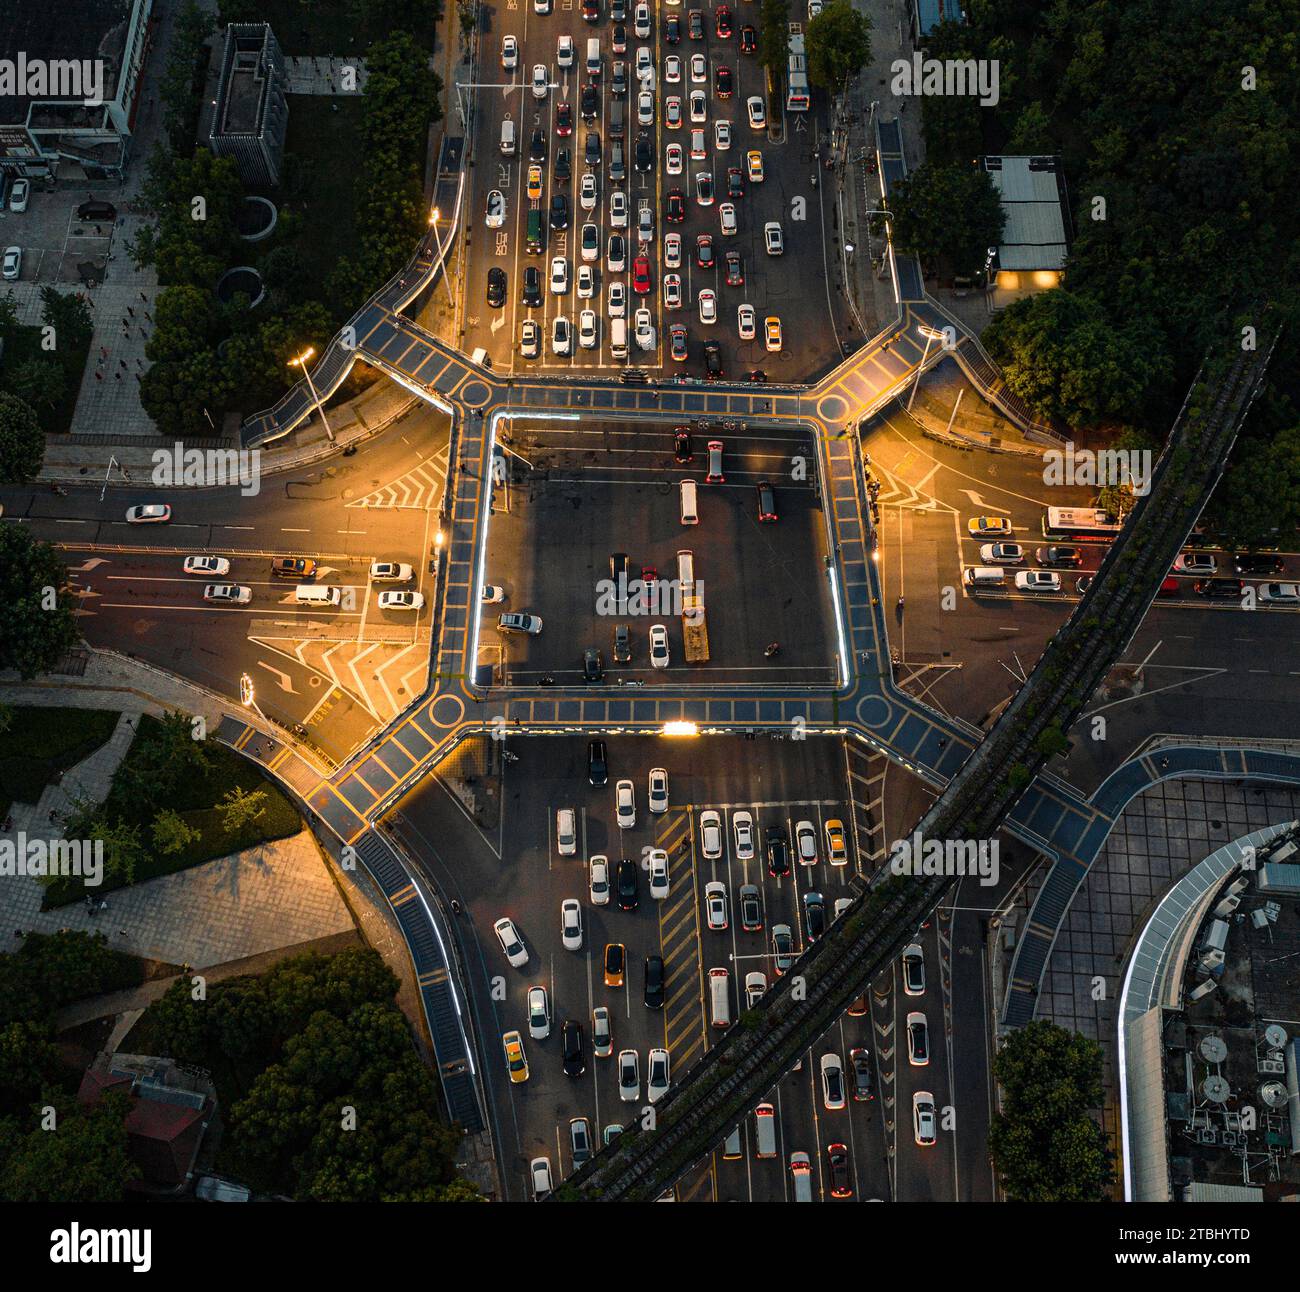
[695, 632]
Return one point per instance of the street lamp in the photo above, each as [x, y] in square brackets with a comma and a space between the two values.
[301, 362]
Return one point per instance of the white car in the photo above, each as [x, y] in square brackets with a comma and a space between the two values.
[657, 1079]
[618, 209]
[913, 970]
[590, 242]
[598, 879]
[586, 282]
[699, 69]
[559, 275]
[673, 159]
[530, 339]
[708, 304]
[561, 336]
[13, 263]
[1279, 594]
[215, 565]
[645, 68]
[805, 842]
[231, 593]
[923, 1118]
[673, 250]
[658, 646]
[755, 988]
[587, 329]
[511, 943]
[1038, 581]
[564, 51]
[672, 291]
[539, 81]
[493, 594]
[616, 300]
[722, 135]
[699, 107]
[773, 239]
[742, 827]
[539, 1014]
[756, 113]
[509, 53]
[571, 924]
[629, 1076]
[390, 572]
[745, 322]
[643, 329]
[540, 1171]
[658, 866]
[19, 194]
[496, 209]
[645, 108]
[918, 1040]
[1002, 553]
[832, 1069]
[587, 192]
[396, 600]
[727, 218]
[710, 835]
[641, 21]
[672, 69]
[625, 804]
[645, 226]
[150, 513]
[1195, 563]
[658, 790]
[602, 1035]
[715, 905]
[698, 151]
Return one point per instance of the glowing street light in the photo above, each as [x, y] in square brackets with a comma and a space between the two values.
[680, 729]
[301, 362]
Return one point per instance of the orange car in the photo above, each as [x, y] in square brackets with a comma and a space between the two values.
[615, 961]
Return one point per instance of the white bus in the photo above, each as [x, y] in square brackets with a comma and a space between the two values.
[797, 94]
[1081, 524]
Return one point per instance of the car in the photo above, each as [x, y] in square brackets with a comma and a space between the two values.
[772, 341]
[704, 189]
[745, 322]
[394, 572]
[539, 1013]
[217, 565]
[619, 38]
[514, 622]
[643, 154]
[398, 600]
[516, 1061]
[645, 108]
[602, 1035]
[563, 120]
[710, 835]
[918, 1040]
[641, 275]
[677, 347]
[695, 24]
[672, 250]
[778, 852]
[862, 1077]
[673, 166]
[228, 593]
[571, 924]
[707, 300]
[704, 250]
[618, 209]
[19, 195]
[590, 242]
[618, 80]
[1195, 563]
[625, 884]
[644, 64]
[587, 287]
[699, 112]
[540, 85]
[1038, 581]
[989, 527]
[723, 86]
[559, 217]
[589, 103]
[610, 1133]
[767, 515]
[1169, 587]
[735, 182]
[913, 970]
[715, 905]
[782, 948]
[756, 113]
[579, 1139]
[658, 646]
[814, 915]
[837, 1165]
[293, 567]
[534, 183]
[742, 828]
[587, 327]
[495, 216]
[598, 879]
[923, 1118]
[645, 225]
[1258, 563]
[562, 167]
[571, 1048]
[675, 206]
[561, 336]
[496, 287]
[805, 835]
[748, 40]
[715, 475]
[755, 987]
[1220, 589]
[625, 804]
[559, 275]
[751, 908]
[722, 19]
[13, 263]
[727, 219]
[616, 300]
[673, 116]
[641, 21]
[657, 790]
[836, 851]
[1002, 554]
[698, 149]
[643, 329]
[653, 993]
[773, 239]
[1278, 594]
[629, 1076]
[1060, 556]
[657, 863]
[511, 943]
[832, 1070]
[857, 1007]
[591, 149]
[532, 288]
[615, 963]
[683, 447]
[622, 649]
[672, 30]
[154, 513]
[673, 292]
[656, 1080]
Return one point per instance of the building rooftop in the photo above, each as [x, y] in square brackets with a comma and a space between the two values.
[1034, 236]
[930, 13]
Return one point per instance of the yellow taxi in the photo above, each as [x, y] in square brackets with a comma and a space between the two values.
[772, 333]
[534, 183]
[989, 526]
[837, 853]
[516, 1062]
[754, 166]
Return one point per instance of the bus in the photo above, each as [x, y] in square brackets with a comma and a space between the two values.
[1081, 524]
[797, 98]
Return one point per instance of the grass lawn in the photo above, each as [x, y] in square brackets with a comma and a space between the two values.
[26, 342]
[332, 28]
[42, 742]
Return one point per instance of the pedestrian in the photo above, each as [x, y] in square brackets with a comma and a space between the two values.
[148, 316]
[99, 376]
[103, 350]
[144, 298]
[122, 362]
[103, 903]
[121, 933]
[18, 933]
[118, 376]
[130, 311]
[125, 324]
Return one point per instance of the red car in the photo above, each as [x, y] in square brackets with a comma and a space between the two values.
[641, 276]
[704, 251]
[564, 119]
[1169, 588]
[723, 21]
[677, 342]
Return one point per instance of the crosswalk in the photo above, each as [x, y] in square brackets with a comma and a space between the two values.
[418, 489]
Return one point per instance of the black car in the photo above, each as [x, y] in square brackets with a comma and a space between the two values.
[597, 763]
[563, 165]
[758, 375]
[620, 38]
[766, 501]
[722, 82]
[778, 852]
[532, 285]
[862, 1078]
[654, 982]
[1220, 589]
[643, 157]
[1258, 563]
[590, 102]
[618, 569]
[683, 449]
[1059, 556]
[618, 80]
[618, 10]
[837, 1159]
[672, 30]
[735, 183]
[496, 287]
[751, 908]
[695, 24]
[748, 40]
[814, 915]
[571, 1047]
[591, 155]
[622, 644]
[593, 667]
[559, 212]
[626, 883]
[590, 10]
[675, 206]
[537, 147]
[704, 251]
[713, 360]
[735, 269]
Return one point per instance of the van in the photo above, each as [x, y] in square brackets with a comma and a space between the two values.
[985, 578]
[733, 1145]
[617, 166]
[481, 357]
[720, 997]
[616, 128]
[690, 516]
[315, 594]
[801, 1176]
[618, 338]
[533, 236]
[566, 832]
[764, 1131]
[593, 57]
[686, 571]
[507, 138]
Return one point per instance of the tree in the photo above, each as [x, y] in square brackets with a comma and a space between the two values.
[22, 444]
[39, 383]
[948, 216]
[240, 808]
[774, 36]
[838, 46]
[84, 1159]
[37, 628]
[171, 835]
[123, 850]
[1259, 496]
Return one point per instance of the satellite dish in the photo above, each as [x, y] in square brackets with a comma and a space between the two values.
[1273, 1093]
[1216, 1089]
[1275, 1036]
[1213, 1049]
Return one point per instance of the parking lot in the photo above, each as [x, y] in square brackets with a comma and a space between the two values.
[583, 492]
[57, 246]
[776, 188]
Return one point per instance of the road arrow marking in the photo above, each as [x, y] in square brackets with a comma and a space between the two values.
[283, 679]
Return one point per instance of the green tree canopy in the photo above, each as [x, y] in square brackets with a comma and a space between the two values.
[838, 45]
[949, 216]
[22, 444]
[83, 1159]
[774, 35]
[37, 628]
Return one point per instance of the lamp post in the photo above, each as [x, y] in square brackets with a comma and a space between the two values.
[301, 362]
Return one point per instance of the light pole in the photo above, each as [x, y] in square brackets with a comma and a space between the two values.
[929, 336]
[301, 362]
